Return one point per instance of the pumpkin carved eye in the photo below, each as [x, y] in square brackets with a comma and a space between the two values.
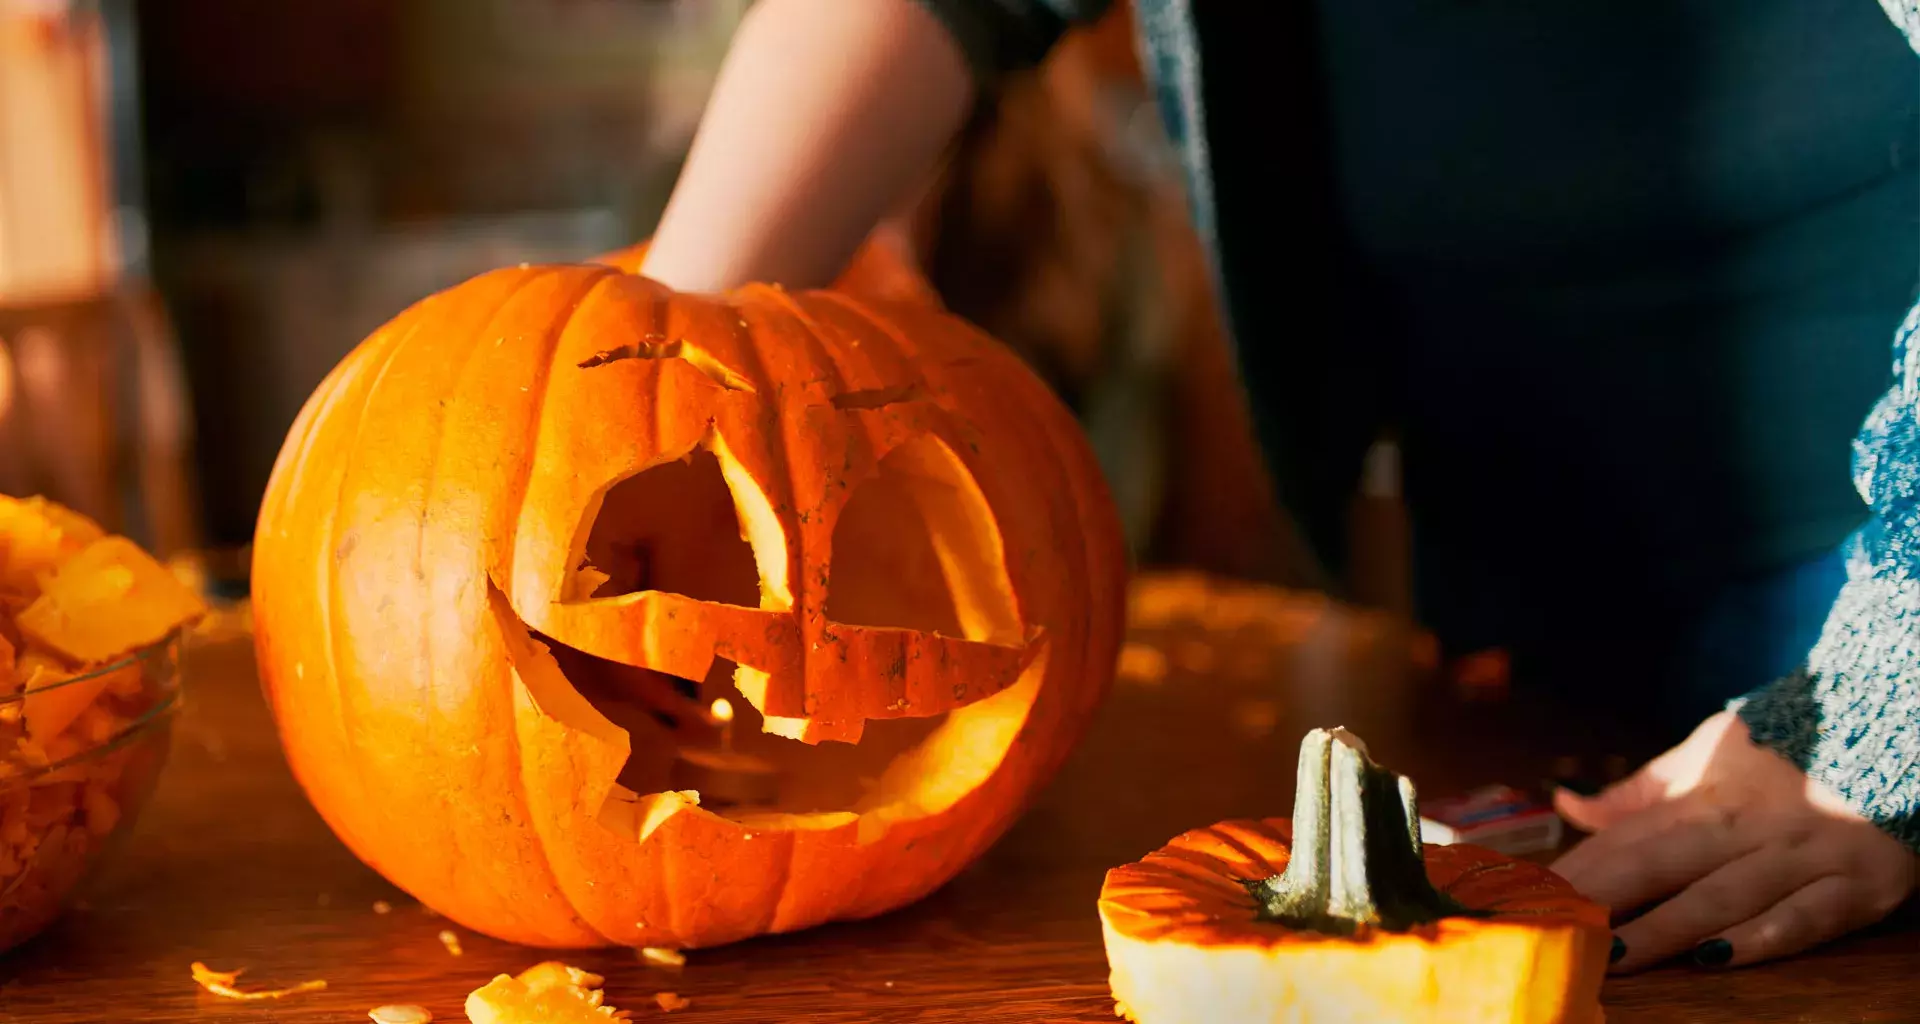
[671, 528]
[916, 547]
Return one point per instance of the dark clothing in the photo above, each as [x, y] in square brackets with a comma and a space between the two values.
[1621, 275]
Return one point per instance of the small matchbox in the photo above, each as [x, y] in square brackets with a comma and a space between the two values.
[1500, 818]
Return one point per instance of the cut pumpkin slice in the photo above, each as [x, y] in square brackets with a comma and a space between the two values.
[110, 599]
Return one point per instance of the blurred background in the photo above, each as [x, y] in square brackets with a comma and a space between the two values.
[204, 204]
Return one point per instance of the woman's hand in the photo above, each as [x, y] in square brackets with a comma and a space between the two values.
[1746, 858]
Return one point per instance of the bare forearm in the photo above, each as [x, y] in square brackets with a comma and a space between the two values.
[825, 113]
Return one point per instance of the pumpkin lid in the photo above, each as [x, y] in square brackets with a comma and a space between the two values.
[1290, 919]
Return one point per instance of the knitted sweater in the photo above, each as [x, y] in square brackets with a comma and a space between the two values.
[1850, 715]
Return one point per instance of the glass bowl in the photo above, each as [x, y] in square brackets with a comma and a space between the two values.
[78, 759]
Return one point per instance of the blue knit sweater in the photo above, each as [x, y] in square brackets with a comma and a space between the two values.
[1850, 715]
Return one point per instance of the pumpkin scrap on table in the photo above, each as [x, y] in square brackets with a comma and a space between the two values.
[83, 616]
[863, 527]
[655, 956]
[546, 993]
[1343, 916]
[400, 1013]
[221, 983]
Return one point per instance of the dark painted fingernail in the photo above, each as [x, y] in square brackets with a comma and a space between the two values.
[1713, 953]
[1619, 950]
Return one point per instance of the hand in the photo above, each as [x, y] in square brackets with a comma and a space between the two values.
[1752, 859]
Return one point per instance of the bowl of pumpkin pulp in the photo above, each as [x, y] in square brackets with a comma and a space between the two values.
[91, 629]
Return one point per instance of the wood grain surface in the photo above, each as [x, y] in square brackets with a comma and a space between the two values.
[229, 865]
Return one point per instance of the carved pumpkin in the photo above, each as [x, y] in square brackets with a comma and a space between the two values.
[524, 535]
[1343, 916]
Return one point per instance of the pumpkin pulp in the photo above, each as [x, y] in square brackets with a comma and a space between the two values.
[1357, 858]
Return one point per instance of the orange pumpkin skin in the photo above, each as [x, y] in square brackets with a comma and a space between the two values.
[429, 505]
[1184, 944]
[880, 270]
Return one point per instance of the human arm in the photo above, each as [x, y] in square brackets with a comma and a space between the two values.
[824, 114]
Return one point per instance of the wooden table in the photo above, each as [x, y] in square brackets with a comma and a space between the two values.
[229, 865]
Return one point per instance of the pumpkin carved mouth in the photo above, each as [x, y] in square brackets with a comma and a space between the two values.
[916, 574]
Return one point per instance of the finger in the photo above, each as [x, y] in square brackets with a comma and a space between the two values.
[1657, 780]
[1594, 813]
[1622, 835]
[1659, 851]
[1735, 892]
[1824, 909]
[1631, 795]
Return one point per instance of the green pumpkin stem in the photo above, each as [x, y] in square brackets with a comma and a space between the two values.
[1357, 857]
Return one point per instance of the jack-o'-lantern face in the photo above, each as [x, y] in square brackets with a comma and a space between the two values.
[523, 538]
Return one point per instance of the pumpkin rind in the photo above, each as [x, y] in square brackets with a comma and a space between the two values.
[418, 527]
[878, 271]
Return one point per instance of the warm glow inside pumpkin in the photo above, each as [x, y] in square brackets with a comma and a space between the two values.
[522, 540]
[915, 549]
